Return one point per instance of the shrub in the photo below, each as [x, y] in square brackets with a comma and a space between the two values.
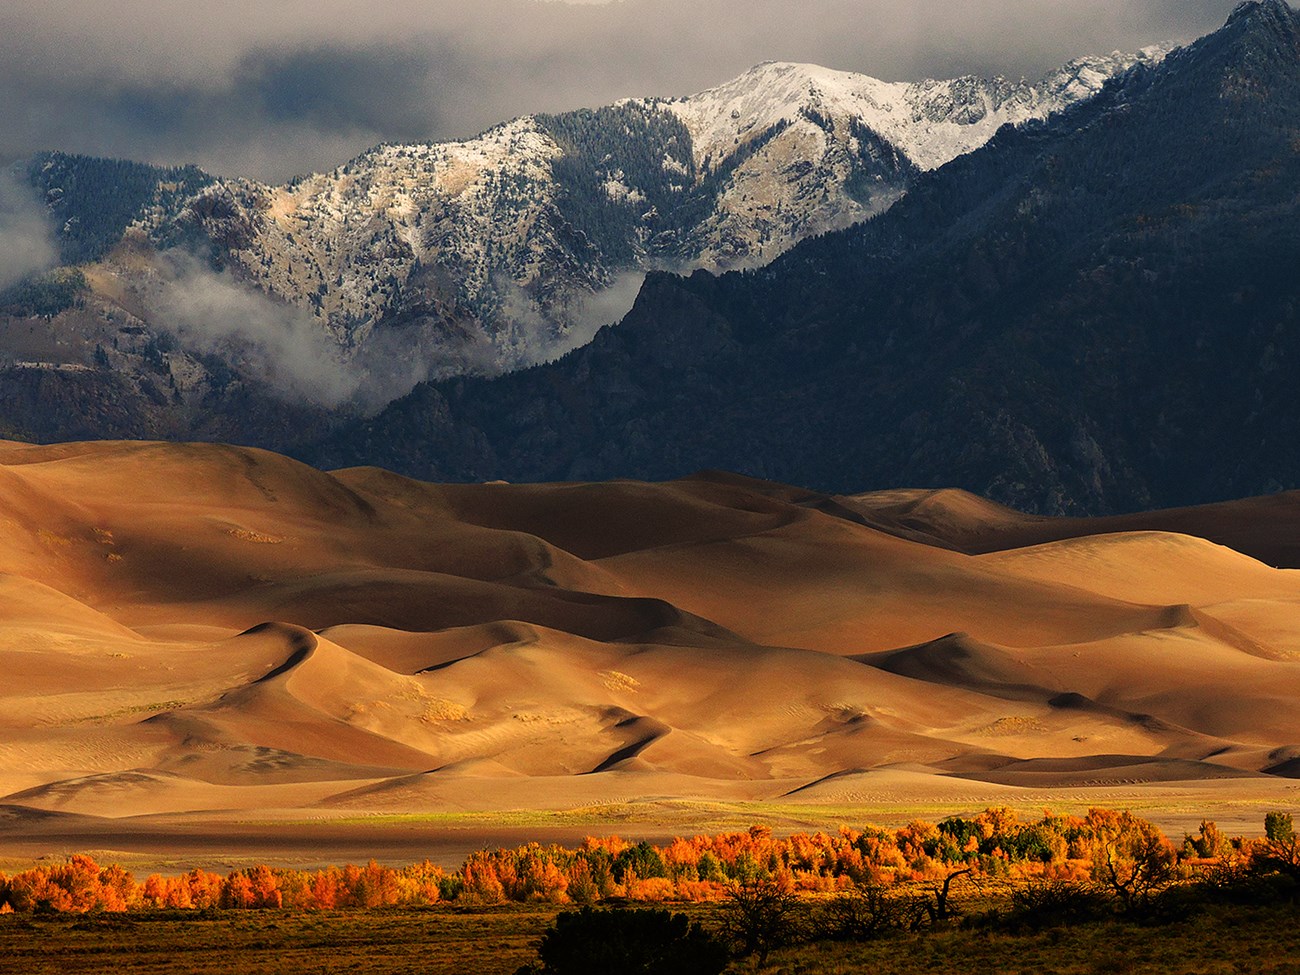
[1051, 903]
[862, 913]
[623, 942]
[761, 915]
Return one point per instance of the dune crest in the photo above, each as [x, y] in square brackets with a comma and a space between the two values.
[192, 628]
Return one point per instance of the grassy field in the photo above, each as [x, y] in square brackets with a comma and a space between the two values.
[1235, 942]
[1233, 810]
[496, 941]
[492, 941]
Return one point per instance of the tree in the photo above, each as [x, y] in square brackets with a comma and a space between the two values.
[761, 914]
[1281, 854]
[1279, 827]
[1131, 859]
[938, 908]
[1209, 843]
[864, 912]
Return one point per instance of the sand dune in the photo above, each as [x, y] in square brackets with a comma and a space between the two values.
[1265, 528]
[201, 630]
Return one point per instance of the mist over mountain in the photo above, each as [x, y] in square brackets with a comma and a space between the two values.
[185, 299]
[1095, 313]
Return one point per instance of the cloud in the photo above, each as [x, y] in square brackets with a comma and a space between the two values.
[248, 87]
[281, 346]
[26, 238]
[210, 312]
[529, 336]
[593, 312]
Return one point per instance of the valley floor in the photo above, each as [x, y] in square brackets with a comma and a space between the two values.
[308, 840]
[496, 941]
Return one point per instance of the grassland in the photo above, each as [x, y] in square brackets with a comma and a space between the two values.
[386, 942]
[496, 941]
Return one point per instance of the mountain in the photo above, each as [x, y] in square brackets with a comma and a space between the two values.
[841, 147]
[1091, 314]
[196, 307]
[514, 231]
[85, 350]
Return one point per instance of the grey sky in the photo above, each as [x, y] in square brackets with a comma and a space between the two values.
[273, 88]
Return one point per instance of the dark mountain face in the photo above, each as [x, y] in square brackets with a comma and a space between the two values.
[1096, 313]
[93, 201]
[184, 300]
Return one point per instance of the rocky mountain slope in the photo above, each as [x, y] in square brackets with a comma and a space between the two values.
[515, 230]
[840, 147]
[1097, 313]
[191, 300]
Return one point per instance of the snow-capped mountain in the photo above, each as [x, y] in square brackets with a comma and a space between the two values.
[486, 254]
[832, 148]
[446, 233]
[1093, 314]
[188, 303]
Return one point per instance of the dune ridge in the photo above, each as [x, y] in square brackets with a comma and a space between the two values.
[193, 629]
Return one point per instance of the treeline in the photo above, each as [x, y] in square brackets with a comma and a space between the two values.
[648, 150]
[92, 201]
[1119, 851]
[44, 295]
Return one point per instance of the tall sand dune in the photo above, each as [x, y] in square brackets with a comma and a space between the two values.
[192, 631]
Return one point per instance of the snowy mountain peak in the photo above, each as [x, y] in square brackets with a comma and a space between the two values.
[503, 250]
[722, 118]
[931, 121]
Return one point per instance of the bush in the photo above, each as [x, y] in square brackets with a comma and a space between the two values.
[862, 913]
[762, 915]
[622, 942]
[1051, 903]
[1247, 884]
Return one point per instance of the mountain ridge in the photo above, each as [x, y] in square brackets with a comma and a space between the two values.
[1041, 322]
[500, 251]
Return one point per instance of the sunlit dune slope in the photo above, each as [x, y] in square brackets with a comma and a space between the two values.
[187, 628]
[1265, 528]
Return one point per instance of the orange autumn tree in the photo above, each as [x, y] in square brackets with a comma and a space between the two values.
[1117, 849]
[77, 886]
[1130, 857]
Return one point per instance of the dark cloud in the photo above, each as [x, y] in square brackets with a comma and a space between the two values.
[341, 89]
[274, 113]
[243, 86]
